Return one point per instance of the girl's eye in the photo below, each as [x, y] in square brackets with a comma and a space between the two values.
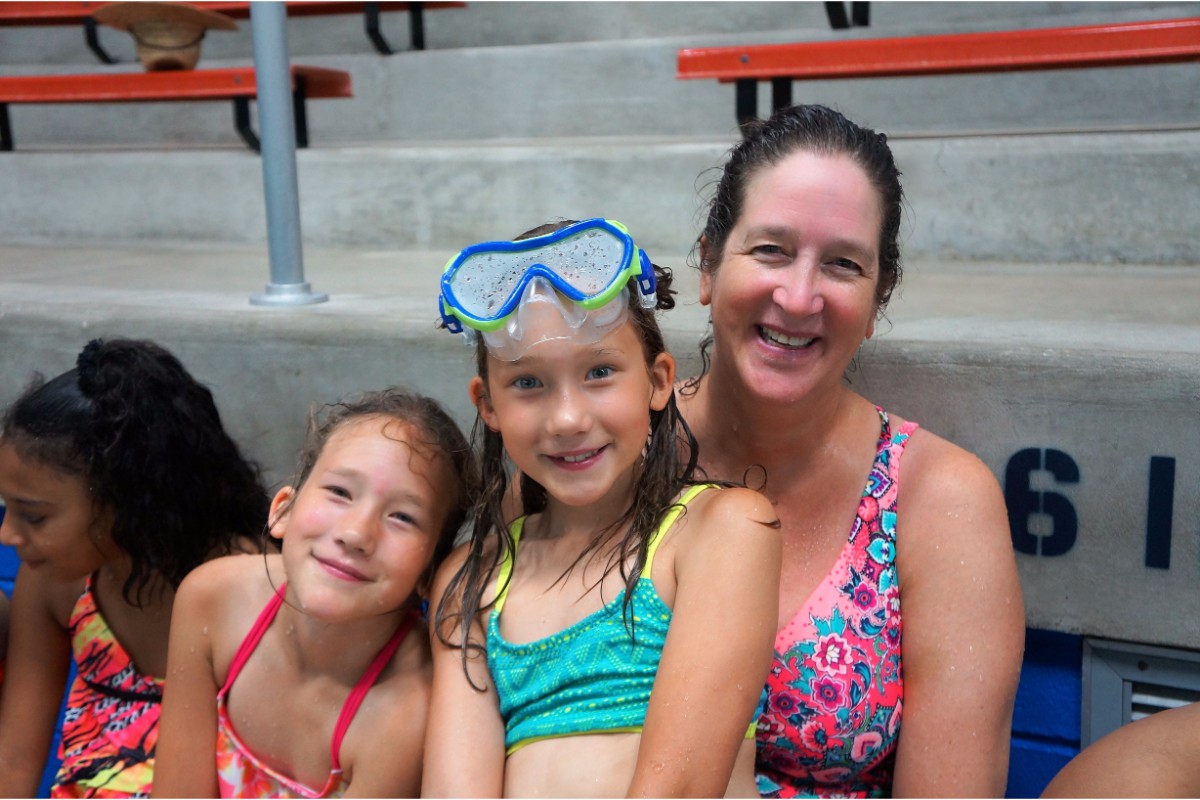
[599, 373]
[32, 519]
[338, 491]
[526, 382]
[407, 519]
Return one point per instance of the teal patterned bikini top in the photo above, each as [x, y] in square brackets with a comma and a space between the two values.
[591, 677]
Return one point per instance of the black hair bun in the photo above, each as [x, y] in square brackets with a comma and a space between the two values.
[87, 364]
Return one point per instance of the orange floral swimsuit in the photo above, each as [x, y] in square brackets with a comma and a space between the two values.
[110, 726]
[240, 773]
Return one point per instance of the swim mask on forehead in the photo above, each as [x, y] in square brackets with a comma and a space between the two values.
[503, 290]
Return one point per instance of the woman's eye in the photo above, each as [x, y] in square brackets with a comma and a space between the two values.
[846, 264]
[767, 250]
[599, 373]
[526, 382]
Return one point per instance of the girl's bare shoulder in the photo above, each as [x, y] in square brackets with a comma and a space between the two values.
[235, 578]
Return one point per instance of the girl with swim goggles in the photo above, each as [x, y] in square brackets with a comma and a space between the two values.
[614, 637]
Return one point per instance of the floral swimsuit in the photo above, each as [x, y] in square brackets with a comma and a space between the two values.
[832, 715]
[110, 726]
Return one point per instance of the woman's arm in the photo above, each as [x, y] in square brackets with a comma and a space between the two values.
[719, 646]
[185, 761]
[964, 625]
[39, 658]
[464, 739]
[1153, 757]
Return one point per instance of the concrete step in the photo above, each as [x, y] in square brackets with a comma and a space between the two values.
[506, 24]
[621, 88]
[1098, 363]
[1095, 198]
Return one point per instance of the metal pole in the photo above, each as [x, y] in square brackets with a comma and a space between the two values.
[268, 26]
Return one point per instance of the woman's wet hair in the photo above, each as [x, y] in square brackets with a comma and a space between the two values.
[146, 439]
[822, 131]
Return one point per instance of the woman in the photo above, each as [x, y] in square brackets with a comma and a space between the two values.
[798, 259]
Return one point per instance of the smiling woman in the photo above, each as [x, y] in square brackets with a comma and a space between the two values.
[798, 259]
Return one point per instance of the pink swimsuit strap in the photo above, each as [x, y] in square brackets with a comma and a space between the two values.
[357, 694]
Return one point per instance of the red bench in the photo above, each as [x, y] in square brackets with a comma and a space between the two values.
[1121, 44]
[80, 13]
[237, 84]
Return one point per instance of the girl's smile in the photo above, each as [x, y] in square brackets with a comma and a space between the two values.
[574, 417]
[366, 520]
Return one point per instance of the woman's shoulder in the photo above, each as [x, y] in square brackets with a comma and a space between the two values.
[936, 470]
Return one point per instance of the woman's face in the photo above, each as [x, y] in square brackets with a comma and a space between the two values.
[793, 293]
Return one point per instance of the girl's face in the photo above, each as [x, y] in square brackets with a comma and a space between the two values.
[575, 417]
[361, 532]
[51, 519]
[794, 294]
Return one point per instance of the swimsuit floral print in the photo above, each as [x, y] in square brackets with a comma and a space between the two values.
[832, 715]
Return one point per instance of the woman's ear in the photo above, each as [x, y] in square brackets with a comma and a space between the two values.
[281, 507]
[483, 402]
[662, 380]
[705, 273]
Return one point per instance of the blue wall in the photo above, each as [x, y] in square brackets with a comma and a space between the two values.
[8, 573]
[1046, 718]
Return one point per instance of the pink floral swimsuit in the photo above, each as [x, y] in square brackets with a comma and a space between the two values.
[832, 715]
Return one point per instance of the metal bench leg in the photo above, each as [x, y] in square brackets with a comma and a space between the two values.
[747, 101]
[416, 24]
[371, 23]
[300, 113]
[781, 93]
[92, 36]
[241, 121]
[860, 13]
[837, 16]
[6, 139]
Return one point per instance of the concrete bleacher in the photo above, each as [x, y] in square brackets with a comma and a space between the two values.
[1051, 299]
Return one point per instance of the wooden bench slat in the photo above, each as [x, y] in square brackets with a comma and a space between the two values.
[204, 84]
[1036, 49]
[32, 13]
[65, 12]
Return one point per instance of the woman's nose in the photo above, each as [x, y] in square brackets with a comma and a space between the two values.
[798, 292]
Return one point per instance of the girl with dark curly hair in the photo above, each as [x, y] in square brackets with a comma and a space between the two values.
[118, 479]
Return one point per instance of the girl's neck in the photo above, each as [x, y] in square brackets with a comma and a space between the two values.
[338, 649]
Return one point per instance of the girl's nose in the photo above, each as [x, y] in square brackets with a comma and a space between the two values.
[569, 413]
[8, 532]
[798, 292]
[355, 532]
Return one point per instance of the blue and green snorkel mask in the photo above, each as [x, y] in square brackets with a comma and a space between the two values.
[495, 288]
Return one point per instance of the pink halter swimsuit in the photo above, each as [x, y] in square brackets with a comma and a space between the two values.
[832, 715]
[239, 772]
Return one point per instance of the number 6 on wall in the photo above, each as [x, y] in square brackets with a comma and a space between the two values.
[1023, 502]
